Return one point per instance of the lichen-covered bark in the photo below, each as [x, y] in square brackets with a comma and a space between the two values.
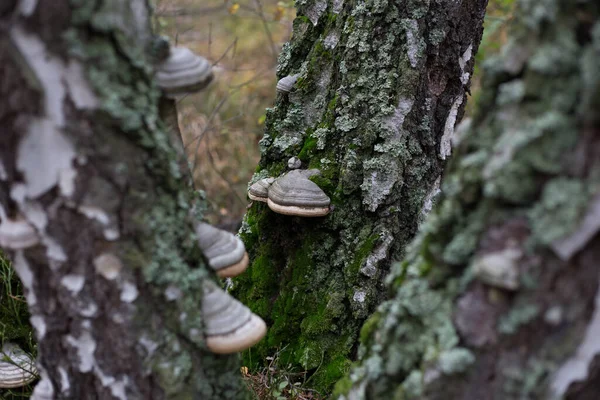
[114, 284]
[520, 197]
[380, 87]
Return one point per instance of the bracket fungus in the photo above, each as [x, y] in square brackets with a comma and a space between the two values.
[225, 252]
[294, 163]
[259, 191]
[17, 234]
[17, 368]
[286, 84]
[230, 326]
[295, 194]
[183, 72]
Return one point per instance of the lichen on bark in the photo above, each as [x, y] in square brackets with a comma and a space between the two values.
[379, 84]
[523, 178]
[116, 280]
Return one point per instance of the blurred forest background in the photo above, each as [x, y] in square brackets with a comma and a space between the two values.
[221, 128]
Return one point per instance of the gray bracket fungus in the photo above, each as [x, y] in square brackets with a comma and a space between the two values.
[183, 72]
[17, 234]
[295, 194]
[259, 191]
[225, 252]
[17, 368]
[286, 84]
[294, 163]
[230, 326]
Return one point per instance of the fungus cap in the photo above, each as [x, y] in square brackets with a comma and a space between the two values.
[183, 72]
[17, 372]
[259, 191]
[17, 234]
[286, 84]
[230, 326]
[225, 252]
[295, 194]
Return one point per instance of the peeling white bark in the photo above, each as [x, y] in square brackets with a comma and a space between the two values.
[566, 247]
[576, 368]
[446, 142]
[108, 265]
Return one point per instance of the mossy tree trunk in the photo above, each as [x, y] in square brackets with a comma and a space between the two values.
[498, 296]
[114, 284]
[380, 87]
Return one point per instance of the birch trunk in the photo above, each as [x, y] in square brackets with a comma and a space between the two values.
[380, 87]
[498, 297]
[114, 281]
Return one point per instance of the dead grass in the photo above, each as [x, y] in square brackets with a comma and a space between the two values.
[275, 383]
[221, 126]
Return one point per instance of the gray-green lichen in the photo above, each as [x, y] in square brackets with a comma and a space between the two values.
[520, 181]
[158, 203]
[364, 112]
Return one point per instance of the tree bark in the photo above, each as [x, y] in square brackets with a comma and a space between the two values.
[114, 283]
[498, 296]
[380, 87]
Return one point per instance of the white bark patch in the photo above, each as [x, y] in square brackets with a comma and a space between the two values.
[337, 6]
[428, 202]
[89, 311]
[37, 321]
[27, 7]
[314, 13]
[44, 389]
[108, 265]
[85, 345]
[81, 93]
[148, 344]
[379, 254]
[446, 142]
[129, 292]
[73, 283]
[576, 368]
[117, 387]
[396, 121]
[331, 40]
[173, 293]
[413, 42]
[566, 247]
[462, 62]
[23, 269]
[42, 155]
[45, 155]
[95, 213]
[65, 385]
[359, 296]
[378, 181]
[3, 174]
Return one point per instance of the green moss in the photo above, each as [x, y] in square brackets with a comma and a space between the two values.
[309, 145]
[369, 327]
[363, 251]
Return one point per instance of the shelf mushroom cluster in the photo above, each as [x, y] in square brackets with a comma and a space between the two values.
[17, 368]
[292, 194]
[230, 326]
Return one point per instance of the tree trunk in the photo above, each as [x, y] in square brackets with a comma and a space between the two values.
[114, 282]
[380, 87]
[498, 296]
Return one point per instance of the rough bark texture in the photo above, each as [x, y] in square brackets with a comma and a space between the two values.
[114, 285]
[380, 86]
[521, 197]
